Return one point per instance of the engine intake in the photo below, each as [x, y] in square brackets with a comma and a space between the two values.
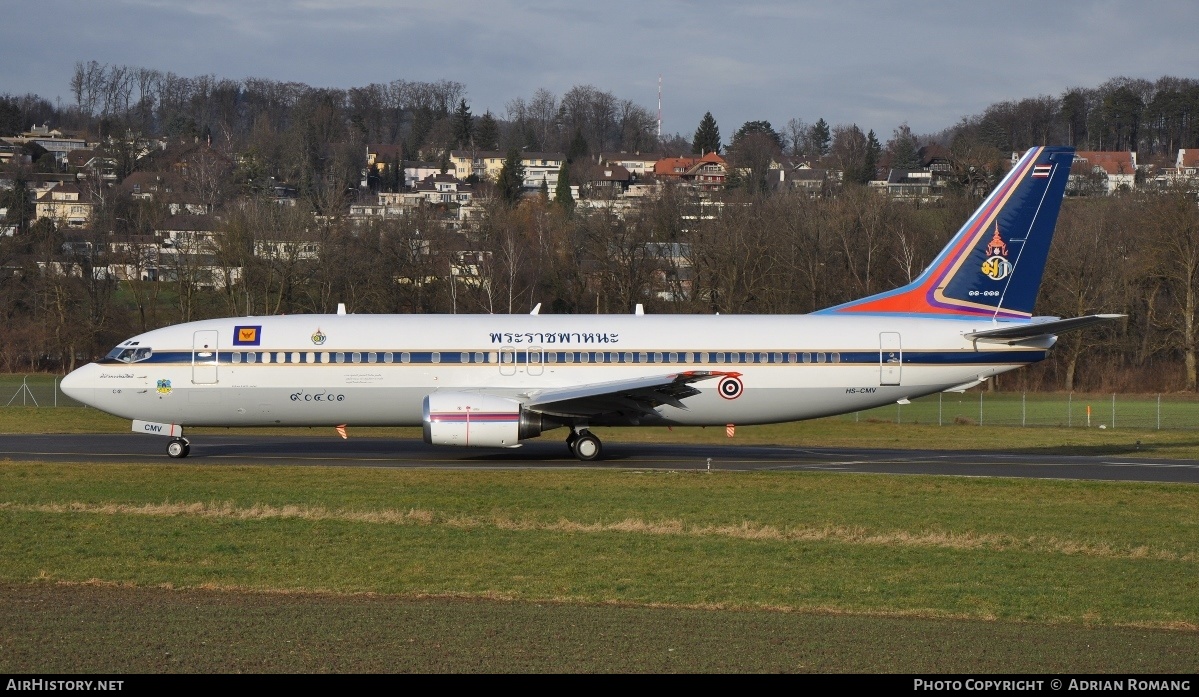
[478, 420]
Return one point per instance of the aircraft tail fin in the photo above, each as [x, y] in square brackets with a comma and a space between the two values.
[994, 264]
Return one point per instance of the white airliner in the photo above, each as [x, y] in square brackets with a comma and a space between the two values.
[495, 380]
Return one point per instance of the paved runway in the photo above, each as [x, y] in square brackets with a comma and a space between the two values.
[387, 452]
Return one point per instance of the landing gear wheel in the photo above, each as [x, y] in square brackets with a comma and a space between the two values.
[178, 447]
[586, 447]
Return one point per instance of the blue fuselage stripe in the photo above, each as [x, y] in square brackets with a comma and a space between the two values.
[593, 358]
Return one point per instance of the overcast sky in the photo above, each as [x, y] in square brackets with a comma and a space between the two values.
[877, 64]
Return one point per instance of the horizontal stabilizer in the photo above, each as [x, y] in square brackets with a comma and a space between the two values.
[1040, 327]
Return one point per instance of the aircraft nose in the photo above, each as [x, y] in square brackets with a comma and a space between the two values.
[77, 384]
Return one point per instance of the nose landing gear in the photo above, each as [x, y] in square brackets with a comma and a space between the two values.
[178, 447]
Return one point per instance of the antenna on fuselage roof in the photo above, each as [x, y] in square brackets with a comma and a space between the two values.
[639, 310]
[536, 310]
[341, 308]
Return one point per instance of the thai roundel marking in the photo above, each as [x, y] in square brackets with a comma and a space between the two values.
[730, 388]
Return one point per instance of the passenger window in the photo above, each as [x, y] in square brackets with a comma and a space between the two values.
[435, 357]
[478, 356]
[405, 357]
[836, 358]
[464, 357]
[387, 357]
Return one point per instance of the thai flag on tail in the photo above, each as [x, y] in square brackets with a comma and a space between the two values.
[1041, 171]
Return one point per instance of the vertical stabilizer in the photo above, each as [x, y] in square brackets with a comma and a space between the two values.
[994, 264]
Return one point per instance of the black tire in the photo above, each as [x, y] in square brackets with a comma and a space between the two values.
[177, 448]
[587, 447]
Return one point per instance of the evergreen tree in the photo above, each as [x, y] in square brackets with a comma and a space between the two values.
[578, 147]
[873, 150]
[397, 173]
[821, 137]
[904, 149]
[487, 135]
[562, 195]
[20, 208]
[544, 189]
[707, 136]
[422, 122]
[511, 178]
[464, 125]
[758, 127]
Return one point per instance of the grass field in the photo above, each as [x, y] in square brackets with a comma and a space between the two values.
[591, 570]
[188, 568]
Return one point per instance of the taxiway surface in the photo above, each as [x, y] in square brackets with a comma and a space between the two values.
[389, 452]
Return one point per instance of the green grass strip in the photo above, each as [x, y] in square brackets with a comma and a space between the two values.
[1085, 553]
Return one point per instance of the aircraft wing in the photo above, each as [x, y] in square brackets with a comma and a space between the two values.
[1040, 327]
[640, 395]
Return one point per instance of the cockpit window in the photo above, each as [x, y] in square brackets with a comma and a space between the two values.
[131, 354]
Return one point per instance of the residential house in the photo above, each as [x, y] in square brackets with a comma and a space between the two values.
[416, 171]
[10, 152]
[912, 185]
[65, 205]
[190, 252]
[607, 181]
[639, 165]
[936, 158]
[486, 164]
[53, 140]
[167, 188]
[1096, 172]
[705, 173]
[380, 156]
[1185, 169]
[444, 188]
[812, 181]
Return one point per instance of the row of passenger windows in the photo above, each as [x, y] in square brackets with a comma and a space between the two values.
[535, 357]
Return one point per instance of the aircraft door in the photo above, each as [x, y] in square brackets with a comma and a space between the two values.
[890, 358]
[535, 360]
[508, 360]
[204, 357]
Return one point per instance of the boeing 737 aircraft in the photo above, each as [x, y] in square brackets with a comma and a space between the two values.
[495, 380]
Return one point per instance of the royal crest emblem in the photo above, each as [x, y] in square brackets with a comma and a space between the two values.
[997, 267]
[164, 387]
[318, 338]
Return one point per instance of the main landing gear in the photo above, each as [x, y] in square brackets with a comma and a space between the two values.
[178, 447]
[584, 445]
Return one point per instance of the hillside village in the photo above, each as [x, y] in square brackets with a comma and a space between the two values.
[174, 174]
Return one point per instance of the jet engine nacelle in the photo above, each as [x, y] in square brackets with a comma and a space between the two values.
[479, 420]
